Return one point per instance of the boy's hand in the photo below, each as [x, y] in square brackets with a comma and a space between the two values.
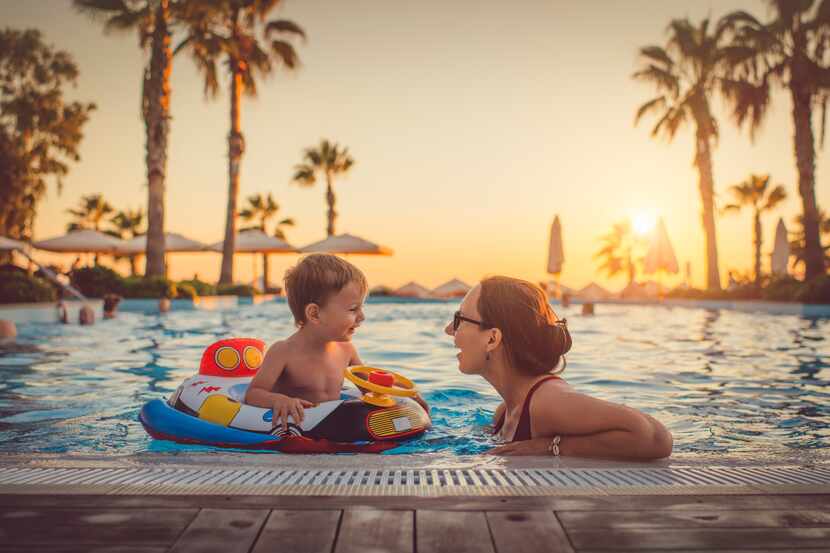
[285, 406]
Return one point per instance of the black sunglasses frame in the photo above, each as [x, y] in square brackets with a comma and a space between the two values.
[457, 318]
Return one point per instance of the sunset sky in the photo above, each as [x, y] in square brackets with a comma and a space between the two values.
[472, 124]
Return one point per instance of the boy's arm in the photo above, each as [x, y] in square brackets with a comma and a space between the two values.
[259, 392]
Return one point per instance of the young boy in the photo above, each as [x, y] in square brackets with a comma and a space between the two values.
[325, 294]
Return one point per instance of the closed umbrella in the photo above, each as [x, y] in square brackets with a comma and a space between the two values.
[660, 257]
[781, 251]
[556, 253]
[347, 244]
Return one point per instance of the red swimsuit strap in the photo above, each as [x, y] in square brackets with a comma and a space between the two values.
[523, 429]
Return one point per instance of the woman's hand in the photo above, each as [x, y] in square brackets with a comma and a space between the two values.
[535, 446]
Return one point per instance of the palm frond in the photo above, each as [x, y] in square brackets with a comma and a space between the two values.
[304, 175]
[283, 26]
[657, 54]
[662, 79]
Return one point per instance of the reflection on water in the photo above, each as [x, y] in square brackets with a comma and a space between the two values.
[724, 382]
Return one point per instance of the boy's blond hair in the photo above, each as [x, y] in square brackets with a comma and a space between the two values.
[315, 279]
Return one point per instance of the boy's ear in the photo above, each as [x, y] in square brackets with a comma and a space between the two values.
[312, 312]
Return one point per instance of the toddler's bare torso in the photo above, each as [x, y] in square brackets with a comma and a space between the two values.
[314, 377]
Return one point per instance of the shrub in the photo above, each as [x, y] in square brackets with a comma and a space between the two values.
[21, 288]
[186, 291]
[149, 287]
[202, 288]
[236, 290]
[97, 281]
[785, 288]
[816, 290]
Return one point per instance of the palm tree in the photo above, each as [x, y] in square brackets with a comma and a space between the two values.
[797, 243]
[226, 30]
[329, 160]
[40, 128]
[91, 211]
[791, 52]
[152, 20]
[264, 209]
[128, 224]
[686, 74]
[618, 251]
[754, 192]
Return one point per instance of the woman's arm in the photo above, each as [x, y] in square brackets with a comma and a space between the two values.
[591, 427]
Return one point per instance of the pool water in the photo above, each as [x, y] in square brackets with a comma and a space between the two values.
[743, 384]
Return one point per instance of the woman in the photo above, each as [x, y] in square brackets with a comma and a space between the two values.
[508, 334]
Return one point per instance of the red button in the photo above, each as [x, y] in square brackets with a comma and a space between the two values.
[381, 378]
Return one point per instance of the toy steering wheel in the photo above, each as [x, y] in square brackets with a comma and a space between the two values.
[380, 384]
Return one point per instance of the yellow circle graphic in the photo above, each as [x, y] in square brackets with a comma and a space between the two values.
[227, 358]
[253, 357]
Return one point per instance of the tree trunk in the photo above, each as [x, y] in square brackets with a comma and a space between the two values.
[236, 147]
[330, 200]
[706, 184]
[756, 232]
[157, 124]
[805, 161]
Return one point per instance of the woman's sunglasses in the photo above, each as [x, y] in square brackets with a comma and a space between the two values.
[457, 317]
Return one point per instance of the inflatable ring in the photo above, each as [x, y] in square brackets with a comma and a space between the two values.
[209, 409]
[380, 384]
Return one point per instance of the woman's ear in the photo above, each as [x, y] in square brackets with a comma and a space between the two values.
[312, 312]
[494, 340]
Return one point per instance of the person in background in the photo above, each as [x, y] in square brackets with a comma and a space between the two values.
[588, 308]
[566, 299]
[164, 305]
[63, 314]
[8, 330]
[86, 316]
[111, 302]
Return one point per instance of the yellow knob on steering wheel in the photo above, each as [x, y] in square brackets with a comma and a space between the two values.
[379, 384]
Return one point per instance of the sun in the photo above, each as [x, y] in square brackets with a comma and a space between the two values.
[643, 222]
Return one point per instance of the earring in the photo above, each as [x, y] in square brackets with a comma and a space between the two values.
[487, 357]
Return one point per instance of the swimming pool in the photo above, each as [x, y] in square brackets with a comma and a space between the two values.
[748, 385]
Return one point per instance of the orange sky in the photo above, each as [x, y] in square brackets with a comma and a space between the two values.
[472, 124]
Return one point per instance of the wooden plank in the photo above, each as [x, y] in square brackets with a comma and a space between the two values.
[452, 532]
[221, 531]
[822, 550]
[377, 531]
[700, 538]
[692, 519]
[527, 532]
[93, 526]
[85, 548]
[484, 503]
[298, 532]
[463, 503]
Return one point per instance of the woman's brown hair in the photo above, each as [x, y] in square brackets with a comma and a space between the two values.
[534, 339]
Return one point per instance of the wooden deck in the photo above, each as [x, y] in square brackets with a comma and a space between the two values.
[237, 524]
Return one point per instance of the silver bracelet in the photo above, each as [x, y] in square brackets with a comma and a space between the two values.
[553, 447]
